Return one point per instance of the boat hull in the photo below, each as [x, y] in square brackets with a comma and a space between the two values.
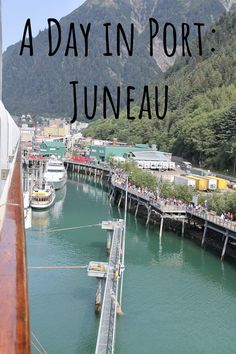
[40, 205]
[58, 184]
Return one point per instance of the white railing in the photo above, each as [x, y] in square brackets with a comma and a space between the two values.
[14, 308]
[9, 140]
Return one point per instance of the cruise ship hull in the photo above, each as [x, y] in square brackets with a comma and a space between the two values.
[58, 184]
[55, 173]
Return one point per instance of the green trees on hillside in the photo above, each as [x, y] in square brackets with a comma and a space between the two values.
[201, 120]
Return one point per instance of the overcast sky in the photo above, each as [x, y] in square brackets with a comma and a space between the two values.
[16, 12]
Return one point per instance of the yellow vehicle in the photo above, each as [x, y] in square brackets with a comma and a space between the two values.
[98, 267]
[116, 275]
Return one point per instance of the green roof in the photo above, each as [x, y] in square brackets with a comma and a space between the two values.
[142, 146]
[54, 144]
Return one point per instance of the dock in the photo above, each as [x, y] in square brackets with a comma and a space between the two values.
[160, 210]
[111, 273]
[225, 228]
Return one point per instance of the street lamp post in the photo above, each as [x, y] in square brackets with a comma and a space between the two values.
[159, 186]
[123, 241]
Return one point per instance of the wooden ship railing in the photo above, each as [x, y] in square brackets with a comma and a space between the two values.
[14, 305]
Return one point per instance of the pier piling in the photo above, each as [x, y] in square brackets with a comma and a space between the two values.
[121, 196]
[149, 214]
[182, 231]
[204, 234]
[161, 227]
[98, 301]
[225, 245]
[130, 202]
[136, 210]
[109, 239]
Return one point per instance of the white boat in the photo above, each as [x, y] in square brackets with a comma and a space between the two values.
[43, 196]
[55, 173]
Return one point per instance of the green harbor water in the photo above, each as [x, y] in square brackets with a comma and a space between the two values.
[178, 298]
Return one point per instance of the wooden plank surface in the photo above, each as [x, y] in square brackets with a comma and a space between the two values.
[14, 308]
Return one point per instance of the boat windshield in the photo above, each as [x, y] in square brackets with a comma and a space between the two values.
[41, 199]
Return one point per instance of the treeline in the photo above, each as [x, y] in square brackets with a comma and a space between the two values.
[201, 121]
[159, 186]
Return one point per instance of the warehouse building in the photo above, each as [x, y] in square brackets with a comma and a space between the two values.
[102, 153]
[154, 160]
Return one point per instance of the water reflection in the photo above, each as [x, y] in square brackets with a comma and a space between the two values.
[170, 251]
[171, 284]
[94, 188]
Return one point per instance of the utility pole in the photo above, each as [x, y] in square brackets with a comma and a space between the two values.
[159, 186]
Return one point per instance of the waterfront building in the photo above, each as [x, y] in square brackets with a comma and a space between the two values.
[103, 152]
[154, 160]
[56, 148]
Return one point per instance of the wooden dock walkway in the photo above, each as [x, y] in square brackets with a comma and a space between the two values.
[181, 213]
[107, 326]
[226, 228]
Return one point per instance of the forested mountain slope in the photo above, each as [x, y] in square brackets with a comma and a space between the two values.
[40, 84]
[201, 120]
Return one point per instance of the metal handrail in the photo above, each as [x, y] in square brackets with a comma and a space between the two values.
[107, 325]
[158, 204]
[215, 219]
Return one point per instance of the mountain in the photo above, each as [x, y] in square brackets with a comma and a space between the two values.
[201, 122]
[40, 84]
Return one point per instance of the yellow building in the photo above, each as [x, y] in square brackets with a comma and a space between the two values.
[57, 128]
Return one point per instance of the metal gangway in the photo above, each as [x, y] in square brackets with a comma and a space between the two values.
[110, 305]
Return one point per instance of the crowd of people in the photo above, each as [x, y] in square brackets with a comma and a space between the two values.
[224, 216]
[120, 178]
[227, 216]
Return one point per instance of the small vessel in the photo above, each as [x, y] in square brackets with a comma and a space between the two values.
[55, 173]
[43, 196]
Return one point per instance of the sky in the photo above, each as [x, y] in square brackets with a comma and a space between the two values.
[16, 12]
